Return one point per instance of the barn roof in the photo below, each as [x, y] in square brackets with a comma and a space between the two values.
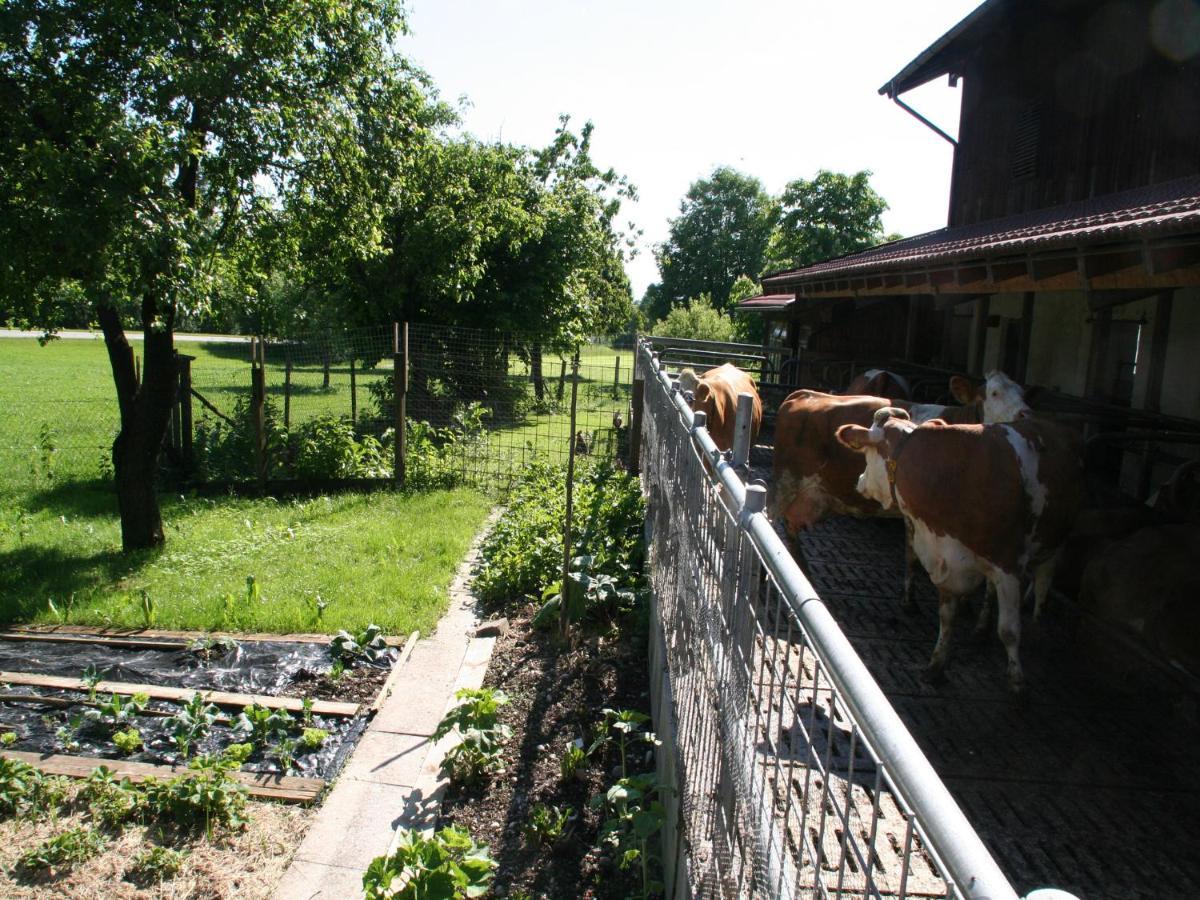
[1148, 213]
[767, 302]
[946, 54]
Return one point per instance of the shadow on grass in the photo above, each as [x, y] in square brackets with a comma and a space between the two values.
[31, 574]
[90, 498]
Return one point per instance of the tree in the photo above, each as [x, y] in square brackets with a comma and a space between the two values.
[697, 321]
[829, 216]
[721, 233]
[747, 327]
[136, 145]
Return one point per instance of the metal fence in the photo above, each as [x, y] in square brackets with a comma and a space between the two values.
[794, 776]
[476, 405]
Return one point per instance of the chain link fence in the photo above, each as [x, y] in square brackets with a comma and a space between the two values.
[794, 776]
[476, 408]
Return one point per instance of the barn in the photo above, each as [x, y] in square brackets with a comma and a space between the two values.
[1071, 253]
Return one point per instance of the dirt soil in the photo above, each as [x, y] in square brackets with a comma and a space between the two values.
[556, 696]
[359, 685]
[233, 864]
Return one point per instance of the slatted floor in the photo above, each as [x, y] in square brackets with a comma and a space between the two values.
[1091, 783]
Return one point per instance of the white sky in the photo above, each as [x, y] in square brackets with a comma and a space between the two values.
[678, 87]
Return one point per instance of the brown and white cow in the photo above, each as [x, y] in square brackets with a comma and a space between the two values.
[715, 394]
[982, 502]
[815, 476]
[879, 383]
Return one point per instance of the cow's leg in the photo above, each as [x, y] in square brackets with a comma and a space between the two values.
[1043, 576]
[985, 612]
[947, 607]
[1008, 625]
[910, 568]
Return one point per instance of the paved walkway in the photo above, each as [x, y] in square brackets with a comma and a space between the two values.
[391, 781]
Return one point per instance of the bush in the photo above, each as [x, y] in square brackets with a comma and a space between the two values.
[225, 452]
[697, 321]
[448, 864]
[326, 448]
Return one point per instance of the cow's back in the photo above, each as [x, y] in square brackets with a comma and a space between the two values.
[716, 396]
[814, 475]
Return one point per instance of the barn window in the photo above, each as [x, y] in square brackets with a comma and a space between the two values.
[1026, 142]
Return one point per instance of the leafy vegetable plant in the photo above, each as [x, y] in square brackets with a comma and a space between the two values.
[128, 741]
[548, 824]
[191, 724]
[63, 851]
[475, 717]
[448, 864]
[365, 647]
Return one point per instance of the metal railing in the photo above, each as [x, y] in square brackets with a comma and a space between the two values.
[795, 776]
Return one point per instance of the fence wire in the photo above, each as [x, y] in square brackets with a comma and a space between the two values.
[480, 407]
[782, 793]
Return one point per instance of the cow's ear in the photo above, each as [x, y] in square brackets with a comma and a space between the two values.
[703, 390]
[965, 391]
[855, 437]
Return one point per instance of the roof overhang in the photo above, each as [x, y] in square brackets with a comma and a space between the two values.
[765, 303]
[946, 54]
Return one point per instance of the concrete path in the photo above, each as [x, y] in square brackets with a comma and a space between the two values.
[391, 781]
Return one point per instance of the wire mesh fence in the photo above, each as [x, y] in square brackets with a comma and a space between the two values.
[478, 407]
[795, 778]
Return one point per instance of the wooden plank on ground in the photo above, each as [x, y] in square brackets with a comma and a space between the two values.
[105, 640]
[385, 689]
[162, 692]
[392, 641]
[259, 784]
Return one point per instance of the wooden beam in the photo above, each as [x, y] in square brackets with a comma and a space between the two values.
[385, 690]
[258, 784]
[306, 638]
[163, 692]
[133, 643]
[1158, 350]
[1025, 338]
[979, 325]
[910, 330]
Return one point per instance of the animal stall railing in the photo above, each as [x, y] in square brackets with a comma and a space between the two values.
[794, 776]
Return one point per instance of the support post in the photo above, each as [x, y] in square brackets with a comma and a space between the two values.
[258, 398]
[910, 330]
[562, 378]
[287, 392]
[400, 407]
[635, 421]
[1025, 339]
[353, 395]
[185, 410]
[741, 429]
[564, 621]
[1158, 350]
[617, 377]
[979, 324]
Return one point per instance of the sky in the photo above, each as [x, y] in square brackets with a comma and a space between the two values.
[675, 89]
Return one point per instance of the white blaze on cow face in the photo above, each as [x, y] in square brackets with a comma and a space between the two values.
[1003, 400]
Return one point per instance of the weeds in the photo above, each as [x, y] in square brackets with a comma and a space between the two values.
[154, 865]
[548, 824]
[63, 851]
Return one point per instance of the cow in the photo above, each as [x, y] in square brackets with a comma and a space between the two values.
[814, 476]
[715, 394]
[879, 383]
[982, 502]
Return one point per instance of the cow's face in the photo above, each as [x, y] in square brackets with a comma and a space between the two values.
[874, 444]
[1003, 400]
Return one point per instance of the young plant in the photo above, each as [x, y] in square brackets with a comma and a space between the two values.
[313, 738]
[635, 815]
[475, 717]
[111, 803]
[63, 851]
[154, 865]
[548, 824]
[116, 712]
[191, 724]
[66, 737]
[263, 726]
[209, 794]
[571, 763]
[8, 738]
[306, 713]
[91, 678]
[284, 750]
[128, 741]
[624, 725]
[207, 647]
[448, 864]
[149, 613]
[366, 647]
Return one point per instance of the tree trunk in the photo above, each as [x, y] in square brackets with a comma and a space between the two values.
[535, 370]
[145, 414]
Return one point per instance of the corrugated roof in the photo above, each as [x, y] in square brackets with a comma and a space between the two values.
[767, 302]
[1157, 210]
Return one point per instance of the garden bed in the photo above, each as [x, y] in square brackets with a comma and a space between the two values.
[69, 695]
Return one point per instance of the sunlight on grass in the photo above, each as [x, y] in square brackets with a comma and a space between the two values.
[383, 557]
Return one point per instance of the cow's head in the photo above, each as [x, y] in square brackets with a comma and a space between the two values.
[877, 444]
[1001, 398]
[688, 379]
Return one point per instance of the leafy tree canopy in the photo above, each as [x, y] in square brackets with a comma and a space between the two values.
[698, 321]
[721, 233]
[829, 216]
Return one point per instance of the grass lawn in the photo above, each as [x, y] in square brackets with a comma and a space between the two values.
[385, 558]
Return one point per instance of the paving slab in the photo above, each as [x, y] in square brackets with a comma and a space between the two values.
[392, 781]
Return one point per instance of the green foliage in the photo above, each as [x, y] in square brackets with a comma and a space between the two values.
[747, 327]
[621, 727]
[91, 677]
[111, 803]
[696, 320]
[155, 864]
[263, 726]
[522, 556]
[207, 795]
[8, 738]
[548, 824]
[365, 647]
[326, 447]
[116, 712]
[831, 215]
[571, 763]
[448, 864]
[191, 723]
[224, 450]
[313, 738]
[128, 741]
[475, 718]
[63, 851]
[634, 817]
[20, 784]
[721, 233]
[147, 608]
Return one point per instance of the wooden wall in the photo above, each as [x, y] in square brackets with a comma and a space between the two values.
[1068, 100]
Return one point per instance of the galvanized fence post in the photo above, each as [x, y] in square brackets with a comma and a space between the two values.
[741, 429]
[400, 400]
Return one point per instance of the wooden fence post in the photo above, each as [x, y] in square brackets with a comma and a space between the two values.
[562, 377]
[400, 406]
[185, 410]
[353, 394]
[287, 391]
[258, 403]
[617, 377]
[635, 417]
[564, 609]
